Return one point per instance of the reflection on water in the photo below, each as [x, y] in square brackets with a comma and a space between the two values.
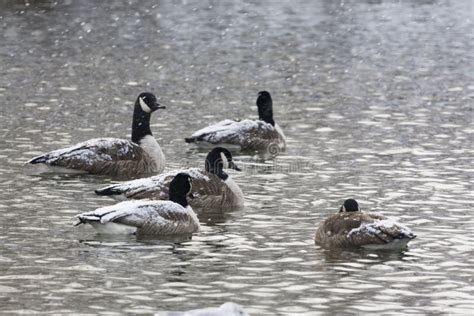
[375, 98]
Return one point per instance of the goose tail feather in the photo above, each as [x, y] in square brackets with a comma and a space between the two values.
[190, 140]
[110, 190]
[85, 219]
[36, 160]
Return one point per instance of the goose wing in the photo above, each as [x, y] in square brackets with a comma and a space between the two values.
[146, 188]
[246, 133]
[106, 149]
[149, 217]
[208, 190]
[375, 229]
[211, 192]
[99, 155]
[155, 188]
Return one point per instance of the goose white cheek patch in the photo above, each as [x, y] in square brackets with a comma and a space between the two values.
[225, 162]
[144, 106]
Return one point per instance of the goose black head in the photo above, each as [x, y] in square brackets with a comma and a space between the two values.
[350, 205]
[217, 159]
[148, 103]
[180, 187]
[145, 105]
[265, 107]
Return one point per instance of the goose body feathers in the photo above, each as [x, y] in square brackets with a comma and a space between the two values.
[110, 156]
[143, 218]
[246, 134]
[348, 229]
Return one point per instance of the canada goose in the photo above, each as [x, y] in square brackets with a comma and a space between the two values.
[147, 217]
[226, 309]
[212, 187]
[353, 228]
[113, 156]
[263, 133]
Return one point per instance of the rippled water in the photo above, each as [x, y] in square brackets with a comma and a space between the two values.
[374, 96]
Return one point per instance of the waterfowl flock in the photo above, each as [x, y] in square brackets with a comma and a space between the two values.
[164, 203]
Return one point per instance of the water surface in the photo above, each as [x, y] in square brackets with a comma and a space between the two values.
[375, 98]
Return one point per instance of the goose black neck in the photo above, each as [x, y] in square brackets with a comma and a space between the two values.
[140, 124]
[221, 174]
[216, 169]
[179, 198]
[265, 113]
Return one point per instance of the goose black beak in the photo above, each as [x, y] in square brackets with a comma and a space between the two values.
[159, 106]
[232, 165]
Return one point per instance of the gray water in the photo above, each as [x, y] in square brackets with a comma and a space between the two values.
[375, 98]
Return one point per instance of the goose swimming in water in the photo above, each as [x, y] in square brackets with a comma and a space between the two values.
[113, 156]
[353, 228]
[145, 217]
[212, 187]
[247, 134]
[226, 309]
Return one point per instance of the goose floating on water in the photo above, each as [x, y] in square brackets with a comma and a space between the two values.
[353, 228]
[113, 156]
[212, 187]
[146, 217]
[247, 134]
[226, 309]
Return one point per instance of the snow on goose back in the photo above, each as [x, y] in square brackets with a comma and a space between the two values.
[212, 187]
[263, 133]
[148, 217]
[112, 156]
[353, 228]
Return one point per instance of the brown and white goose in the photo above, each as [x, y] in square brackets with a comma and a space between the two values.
[113, 156]
[226, 309]
[146, 217]
[247, 134]
[212, 187]
[353, 228]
